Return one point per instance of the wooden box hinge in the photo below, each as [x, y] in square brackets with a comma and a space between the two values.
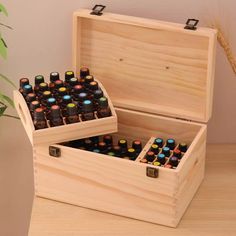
[191, 24]
[97, 10]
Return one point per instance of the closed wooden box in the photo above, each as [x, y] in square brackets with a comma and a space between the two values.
[160, 79]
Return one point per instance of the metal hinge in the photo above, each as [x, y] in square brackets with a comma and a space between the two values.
[191, 24]
[54, 151]
[97, 10]
[177, 118]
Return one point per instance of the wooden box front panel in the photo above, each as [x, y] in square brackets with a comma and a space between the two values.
[120, 186]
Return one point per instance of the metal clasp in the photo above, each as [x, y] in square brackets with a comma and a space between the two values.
[191, 24]
[97, 10]
[152, 172]
[54, 151]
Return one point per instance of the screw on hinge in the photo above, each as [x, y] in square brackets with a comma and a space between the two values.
[191, 24]
[97, 10]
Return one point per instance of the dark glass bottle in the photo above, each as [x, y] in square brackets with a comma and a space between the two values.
[42, 88]
[68, 76]
[77, 89]
[88, 144]
[80, 98]
[33, 106]
[27, 89]
[97, 94]
[174, 161]
[166, 151]
[62, 91]
[124, 147]
[137, 145]
[177, 153]
[93, 86]
[183, 147]
[150, 156]
[23, 82]
[71, 113]
[84, 71]
[55, 116]
[155, 149]
[131, 154]
[102, 147]
[50, 103]
[45, 96]
[54, 76]
[159, 142]
[39, 119]
[117, 150]
[57, 84]
[87, 80]
[87, 110]
[108, 140]
[103, 108]
[73, 82]
[66, 99]
[170, 143]
[30, 97]
[161, 158]
[38, 79]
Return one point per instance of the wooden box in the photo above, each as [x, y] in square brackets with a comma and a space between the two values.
[65, 132]
[160, 79]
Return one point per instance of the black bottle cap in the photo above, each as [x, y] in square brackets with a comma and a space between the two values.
[66, 99]
[73, 81]
[62, 91]
[102, 146]
[58, 84]
[23, 82]
[39, 114]
[78, 89]
[123, 143]
[93, 85]
[54, 76]
[84, 71]
[88, 144]
[117, 150]
[87, 106]
[166, 151]
[51, 102]
[108, 140]
[159, 142]
[34, 104]
[170, 143]
[150, 156]
[98, 93]
[47, 94]
[155, 148]
[69, 75]
[27, 89]
[161, 158]
[43, 87]
[30, 97]
[71, 109]
[177, 153]
[103, 102]
[131, 154]
[174, 161]
[88, 79]
[82, 96]
[38, 79]
[137, 145]
[183, 147]
[55, 111]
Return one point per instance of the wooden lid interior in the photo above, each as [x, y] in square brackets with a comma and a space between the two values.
[147, 65]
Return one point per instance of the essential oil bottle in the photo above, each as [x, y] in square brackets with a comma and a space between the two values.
[71, 113]
[103, 108]
[87, 110]
[39, 119]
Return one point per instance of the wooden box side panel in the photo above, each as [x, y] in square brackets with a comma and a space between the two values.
[167, 67]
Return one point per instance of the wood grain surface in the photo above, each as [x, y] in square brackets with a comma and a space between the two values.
[212, 211]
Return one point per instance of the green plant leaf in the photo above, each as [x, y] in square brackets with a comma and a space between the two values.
[3, 48]
[3, 77]
[3, 107]
[3, 10]
[4, 98]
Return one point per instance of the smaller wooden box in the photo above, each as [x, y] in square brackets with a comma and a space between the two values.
[160, 78]
[64, 132]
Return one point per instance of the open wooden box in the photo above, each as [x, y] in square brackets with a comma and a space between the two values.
[160, 78]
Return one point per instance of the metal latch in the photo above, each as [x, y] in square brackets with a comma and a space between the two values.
[152, 172]
[54, 151]
[97, 10]
[191, 24]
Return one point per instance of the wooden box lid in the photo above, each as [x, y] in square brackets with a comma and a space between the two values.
[148, 65]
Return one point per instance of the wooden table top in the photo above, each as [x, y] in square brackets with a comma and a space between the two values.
[212, 211]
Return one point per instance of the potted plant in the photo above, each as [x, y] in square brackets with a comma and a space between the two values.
[5, 101]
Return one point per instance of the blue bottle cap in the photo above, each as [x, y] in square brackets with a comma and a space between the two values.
[161, 156]
[51, 100]
[66, 97]
[87, 102]
[166, 149]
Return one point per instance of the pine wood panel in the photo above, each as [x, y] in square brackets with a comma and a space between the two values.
[153, 67]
